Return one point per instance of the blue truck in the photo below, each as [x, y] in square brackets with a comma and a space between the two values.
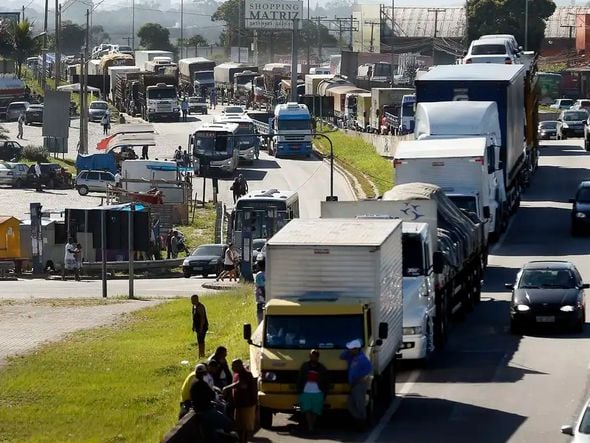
[505, 85]
[292, 128]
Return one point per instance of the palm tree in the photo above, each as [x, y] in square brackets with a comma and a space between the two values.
[22, 42]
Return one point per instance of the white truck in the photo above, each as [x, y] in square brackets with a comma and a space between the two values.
[467, 120]
[388, 102]
[142, 56]
[114, 73]
[158, 64]
[328, 281]
[460, 167]
[418, 257]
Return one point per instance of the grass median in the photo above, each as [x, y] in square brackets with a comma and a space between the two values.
[119, 383]
[360, 159]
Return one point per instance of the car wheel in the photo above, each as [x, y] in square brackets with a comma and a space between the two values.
[564, 136]
[187, 274]
[18, 183]
[83, 190]
[579, 326]
[205, 274]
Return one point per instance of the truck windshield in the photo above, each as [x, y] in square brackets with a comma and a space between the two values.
[203, 75]
[312, 331]
[575, 116]
[466, 202]
[294, 125]
[412, 256]
[246, 133]
[408, 109]
[161, 94]
[211, 145]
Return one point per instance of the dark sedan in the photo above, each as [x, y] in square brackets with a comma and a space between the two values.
[205, 260]
[581, 209]
[548, 293]
[34, 114]
[547, 130]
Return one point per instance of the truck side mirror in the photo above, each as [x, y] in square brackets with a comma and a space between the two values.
[383, 330]
[486, 211]
[247, 331]
[437, 262]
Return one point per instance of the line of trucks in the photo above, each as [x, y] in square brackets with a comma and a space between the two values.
[394, 272]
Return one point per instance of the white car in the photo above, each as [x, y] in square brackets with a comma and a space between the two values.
[582, 103]
[562, 103]
[234, 110]
[491, 50]
[508, 37]
[581, 431]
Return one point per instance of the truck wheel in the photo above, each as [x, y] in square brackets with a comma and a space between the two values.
[386, 386]
[370, 420]
[265, 417]
[441, 323]
[18, 183]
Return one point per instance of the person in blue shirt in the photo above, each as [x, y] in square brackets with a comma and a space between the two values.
[260, 283]
[359, 367]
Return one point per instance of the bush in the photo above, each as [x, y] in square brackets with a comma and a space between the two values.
[35, 153]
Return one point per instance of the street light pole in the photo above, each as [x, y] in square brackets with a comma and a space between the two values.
[181, 27]
[44, 63]
[331, 197]
[133, 24]
[526, 25]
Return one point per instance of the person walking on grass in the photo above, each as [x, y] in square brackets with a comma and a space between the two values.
[200, 323]
[312, 387]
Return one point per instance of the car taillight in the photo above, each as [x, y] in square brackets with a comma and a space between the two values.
[507, 61]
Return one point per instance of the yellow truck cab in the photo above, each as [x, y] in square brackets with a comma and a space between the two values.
[329, 281]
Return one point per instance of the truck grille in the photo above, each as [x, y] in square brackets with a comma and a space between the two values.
[291, 377]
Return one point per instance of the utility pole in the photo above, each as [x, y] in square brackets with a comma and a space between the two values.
[572, 43]
[84, 92]
[181, 27]
[391, 42]
[371, 46]
[436, 11]
[44, 50]
[128, 40]
[351, 18]
[308, 39]
[526, 25]
[294, 61]
[23, 16]
[239, 31]
[57, 44]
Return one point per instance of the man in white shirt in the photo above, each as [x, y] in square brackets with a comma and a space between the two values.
[70, 262]
[229, 264]
[118, 178]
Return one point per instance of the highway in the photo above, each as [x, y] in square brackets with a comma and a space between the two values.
[488, 386]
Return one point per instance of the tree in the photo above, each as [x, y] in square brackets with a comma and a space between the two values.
[71, 38]
[17, 42]
[194, 42]
[155, 36]
[508, 17]
[98, 36]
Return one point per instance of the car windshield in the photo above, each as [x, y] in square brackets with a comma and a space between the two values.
[17, 107]
[585, 423]
[575, 116]
[312, 331]
[294, 125]
[547, 278]
[565, 102]
[98, 105]
[216, 250]
[195, 100]
[488, 50]
[203, 75]
[234, 110]
[583, 195]
[584, 103]
[4, 167]
[408, 109]
[258, 243]
[208, 144]
[548, 125]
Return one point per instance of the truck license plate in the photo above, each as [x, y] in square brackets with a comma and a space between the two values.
[545, 319]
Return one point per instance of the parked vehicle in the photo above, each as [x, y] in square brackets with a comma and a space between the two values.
[292, 130]
[571, 124]
[205, 260]
[53, 176]
[15, 109]
[580, 215]
[581, 430]
[548, 293]
[547, 130]
[508, 86]
[13, 174]
[562, 103]
[582, 103]
[514, 47]
[12, 89]
[491, 50]
[196, 75]
[215, 148]
[10, 150]
[96, 110]
[197, 104]
[34, 114]
[387, 102]
[148, 55]
[93, 181]
[319, 296]
[248, 140]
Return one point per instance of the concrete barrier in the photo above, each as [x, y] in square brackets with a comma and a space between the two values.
[186, 430]
[384, 145]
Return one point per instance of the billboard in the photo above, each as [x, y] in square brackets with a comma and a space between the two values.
[273, 14]
[56, 114]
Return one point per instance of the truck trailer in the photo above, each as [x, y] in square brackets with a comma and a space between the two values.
[196, 75]
[328, 282]
[386, 102]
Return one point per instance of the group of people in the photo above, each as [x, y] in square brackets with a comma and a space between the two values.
[223, 399]
[182, 158]
[175, 243]
[239, 187]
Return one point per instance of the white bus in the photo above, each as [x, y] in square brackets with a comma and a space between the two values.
[215, 148]
[248, 141]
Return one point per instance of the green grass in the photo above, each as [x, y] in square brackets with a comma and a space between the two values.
[360, 159]
[119, 383]
[202, 228]
[67, 164]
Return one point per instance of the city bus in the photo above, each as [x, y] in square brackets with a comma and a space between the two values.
[215, 148]
[248, 142]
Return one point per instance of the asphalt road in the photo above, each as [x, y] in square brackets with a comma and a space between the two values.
[489, 386]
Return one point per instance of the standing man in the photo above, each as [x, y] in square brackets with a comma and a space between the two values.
[184, 108]
[70, 263]
[260, 285]
[235, 187]
[38, 176]
[174, 240]
[21, 122]
[200, 323]
[312, 387]
[245, 397]
[359, 367]
[213, 98]
[118, 178]
[106, 123]
[243, 185]
[144, 152]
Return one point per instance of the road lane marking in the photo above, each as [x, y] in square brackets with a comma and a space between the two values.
[405, 389]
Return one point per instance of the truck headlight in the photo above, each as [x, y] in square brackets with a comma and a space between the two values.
[580, 215]
[413, 330]
[269, 376]
[567, 308]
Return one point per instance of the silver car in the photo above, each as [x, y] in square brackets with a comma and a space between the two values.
[581, 430]
[93, 181]
[13, 174]
[15, 109]
[97, 110]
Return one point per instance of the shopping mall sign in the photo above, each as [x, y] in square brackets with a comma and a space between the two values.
[273, 14]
